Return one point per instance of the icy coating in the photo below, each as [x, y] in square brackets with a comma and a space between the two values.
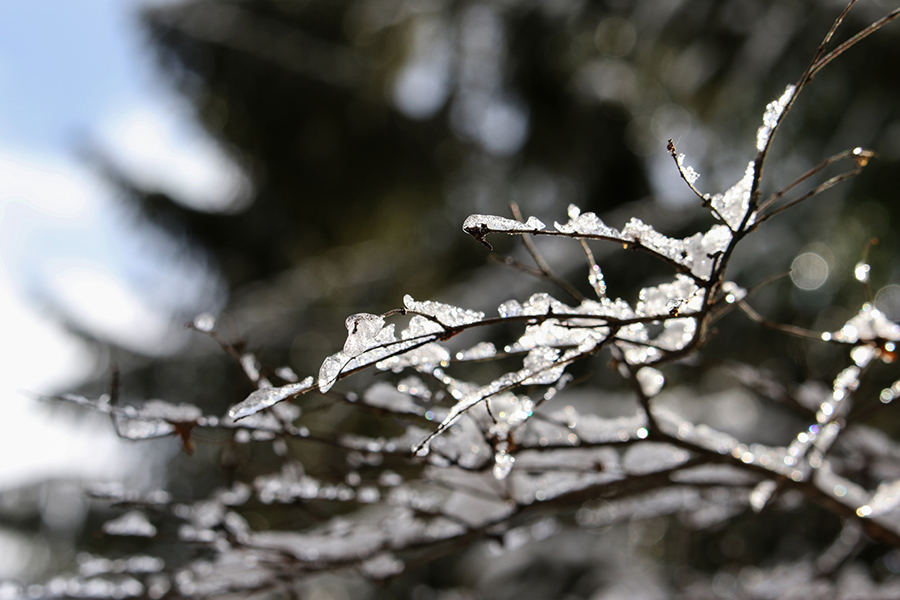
[586, 224]
[869, 325]
[156, 418]
[446, 314]
[263, 398]
[133, 523]
[361, 332]
[774, 110]
[732, 206]
[204, 322]
[688, 171]
[490, 224]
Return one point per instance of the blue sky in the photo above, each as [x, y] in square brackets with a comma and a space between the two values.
[74, 73]
[64, 65]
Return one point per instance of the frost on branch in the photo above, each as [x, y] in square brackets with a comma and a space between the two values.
[263, 398]
[132, 523]
[156, 418]
[483, 224]
[732, 206]
[446, 314]
[361, 332]
[869, 325]
[586, 224]
[774, 110]
[697, 253]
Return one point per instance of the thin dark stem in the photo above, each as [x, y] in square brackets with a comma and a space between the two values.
[820, 64]
[813, 192]
[567, 287]
[760, 159]
[788, 329]
[542, 264]
[704, 198]
[857, 153]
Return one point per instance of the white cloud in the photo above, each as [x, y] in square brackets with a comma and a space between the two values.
[58, 238]
[160, 147]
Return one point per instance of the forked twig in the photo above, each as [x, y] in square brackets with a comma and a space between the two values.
[819, 61]
[861, 156]
[860, 164]
[819, 64]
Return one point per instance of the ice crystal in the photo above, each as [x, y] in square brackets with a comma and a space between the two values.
[482, 224]
[420, 327]
[868, 325]
[773, 113]
[656, 300]
[155, 418]
[732, 206]
[510, 411]
[132, 523]
[676, 334]
[586, 224]
[503, 461]
[263, 398]
[701, 250]
[689, 173]
[761, 494]
[595, 278]
[447, 314]
[650, 380]
[648, 237]
[204, 322]
[330, 369]
[551, 333]
[540, 304]
[382, 566]
[250, 366]
[541, 367]
[510, 308]
[361, 331]
[479, 351]
[424, 359]
[541, 362]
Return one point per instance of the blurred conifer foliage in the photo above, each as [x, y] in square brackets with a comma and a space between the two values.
[371, 130]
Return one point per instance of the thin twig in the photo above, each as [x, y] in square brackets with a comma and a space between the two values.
[860, 156]
[813, 192]
[819, 64]
[789, 329]
[515, 263]
[542, 264]
[704, 198]
[760, 159]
